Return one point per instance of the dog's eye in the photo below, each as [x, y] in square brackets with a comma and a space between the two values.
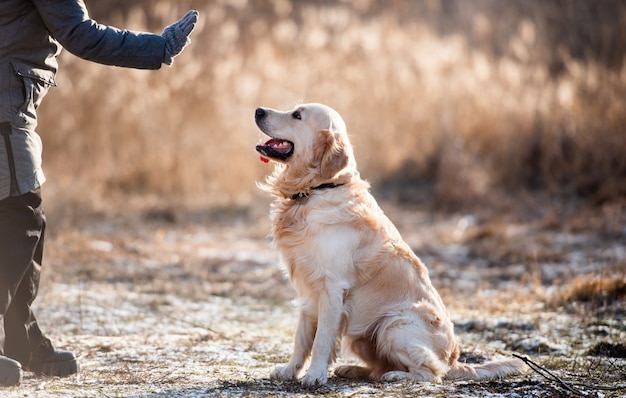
[296, 115]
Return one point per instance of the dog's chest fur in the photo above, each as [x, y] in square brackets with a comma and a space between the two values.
[316, 240]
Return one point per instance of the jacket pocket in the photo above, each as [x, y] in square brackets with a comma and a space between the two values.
[35, 82]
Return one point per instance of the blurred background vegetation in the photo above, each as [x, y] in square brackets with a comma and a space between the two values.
[451, 103]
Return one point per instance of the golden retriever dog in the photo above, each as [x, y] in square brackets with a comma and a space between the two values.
[357, 281]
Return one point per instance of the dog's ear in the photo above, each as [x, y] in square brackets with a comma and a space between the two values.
[330, 151]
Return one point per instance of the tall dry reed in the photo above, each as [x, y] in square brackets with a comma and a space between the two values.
[459, 98]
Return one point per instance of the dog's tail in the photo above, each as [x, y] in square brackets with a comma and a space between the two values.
[487, 370]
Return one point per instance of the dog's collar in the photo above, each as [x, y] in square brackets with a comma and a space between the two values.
[301, 195]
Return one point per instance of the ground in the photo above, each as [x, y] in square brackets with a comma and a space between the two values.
[195, 304]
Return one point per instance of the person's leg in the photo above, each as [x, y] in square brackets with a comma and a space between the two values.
[23, 339]
[17, 245]
[21, 245]
[22, 333]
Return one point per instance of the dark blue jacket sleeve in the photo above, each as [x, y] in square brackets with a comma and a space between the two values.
[69, 23]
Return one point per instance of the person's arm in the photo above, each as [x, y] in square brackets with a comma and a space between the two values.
[69, 23]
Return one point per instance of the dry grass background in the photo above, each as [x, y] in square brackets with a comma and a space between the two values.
[449, 100]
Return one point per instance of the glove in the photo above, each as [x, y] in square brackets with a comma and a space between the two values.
[176, 36]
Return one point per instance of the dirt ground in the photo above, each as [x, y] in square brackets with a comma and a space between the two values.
[194, 304]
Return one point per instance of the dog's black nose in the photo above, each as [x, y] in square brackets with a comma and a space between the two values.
[259, 113]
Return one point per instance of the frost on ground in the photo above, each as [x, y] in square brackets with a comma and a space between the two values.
[192, 307]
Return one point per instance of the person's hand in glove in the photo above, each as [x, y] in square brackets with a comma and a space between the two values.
[176, 36]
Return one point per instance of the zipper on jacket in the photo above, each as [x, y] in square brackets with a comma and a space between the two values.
[5, 129]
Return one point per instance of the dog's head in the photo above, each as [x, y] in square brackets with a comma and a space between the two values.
[310, 142]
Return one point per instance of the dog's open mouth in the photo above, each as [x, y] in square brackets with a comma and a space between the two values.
[276, 148]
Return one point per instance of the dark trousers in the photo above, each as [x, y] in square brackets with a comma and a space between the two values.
[22, 227]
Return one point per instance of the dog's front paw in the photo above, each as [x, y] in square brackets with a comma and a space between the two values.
[312, 379]
[284, 372]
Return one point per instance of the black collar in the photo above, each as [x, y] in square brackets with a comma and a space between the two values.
[301, 195]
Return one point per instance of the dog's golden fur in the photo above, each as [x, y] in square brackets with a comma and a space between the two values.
[356, 280]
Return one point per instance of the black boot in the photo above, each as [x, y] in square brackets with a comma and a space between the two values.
[10, 372]
[50, 362]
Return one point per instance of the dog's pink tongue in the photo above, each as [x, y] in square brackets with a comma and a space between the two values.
[264, 160]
